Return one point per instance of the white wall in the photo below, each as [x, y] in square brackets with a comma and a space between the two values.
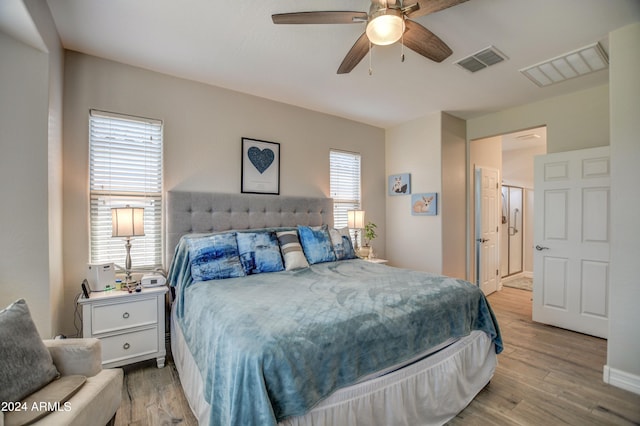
[203, 127]
[31, 169]
[623, 355]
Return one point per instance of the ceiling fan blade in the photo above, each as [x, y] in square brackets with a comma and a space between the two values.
[422, 41]
[358, 51]
[432, 6]
[341, 17]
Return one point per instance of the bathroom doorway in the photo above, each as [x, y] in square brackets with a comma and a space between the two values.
[512, 154]
[517, 212]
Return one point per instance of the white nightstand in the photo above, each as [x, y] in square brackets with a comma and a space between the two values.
[130, 325]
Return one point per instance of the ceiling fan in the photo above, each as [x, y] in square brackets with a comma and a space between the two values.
[387, 22]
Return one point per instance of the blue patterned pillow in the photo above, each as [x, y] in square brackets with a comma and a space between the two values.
[342, 246]
[215, 257]
[259, 252]
[316, 244]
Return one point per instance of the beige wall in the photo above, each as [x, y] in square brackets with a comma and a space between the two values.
[24, 264]
[433, 150]
[623, 355]
[203, 127]
[41, 15]
[415, 147]
[574, 121]
[453, 206]
[517, 166]
[31, 169]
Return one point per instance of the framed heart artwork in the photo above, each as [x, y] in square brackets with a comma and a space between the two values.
[260, 167]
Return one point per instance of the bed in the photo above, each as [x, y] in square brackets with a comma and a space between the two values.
[338, 341]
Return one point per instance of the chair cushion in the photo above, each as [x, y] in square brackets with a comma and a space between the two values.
[50, 398]
[26, 363]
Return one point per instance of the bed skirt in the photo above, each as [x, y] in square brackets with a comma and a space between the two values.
[428, 392]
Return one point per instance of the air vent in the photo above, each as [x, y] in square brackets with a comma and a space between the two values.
[583, 61]
[482, 59]
[528, 136]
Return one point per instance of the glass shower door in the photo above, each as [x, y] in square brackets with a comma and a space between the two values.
[511, 261]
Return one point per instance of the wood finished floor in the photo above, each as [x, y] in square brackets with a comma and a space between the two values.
[545, 376]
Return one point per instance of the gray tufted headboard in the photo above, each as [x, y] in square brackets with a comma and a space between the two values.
[203, 212]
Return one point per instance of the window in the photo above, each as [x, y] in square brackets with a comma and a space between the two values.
[344, 170]
[125, 168]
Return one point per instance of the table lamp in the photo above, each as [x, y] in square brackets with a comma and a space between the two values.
[355, 221]
[127, 222]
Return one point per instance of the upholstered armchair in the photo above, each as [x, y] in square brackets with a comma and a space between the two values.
[76, 390]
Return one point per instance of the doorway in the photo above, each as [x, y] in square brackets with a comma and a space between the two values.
[513, 154]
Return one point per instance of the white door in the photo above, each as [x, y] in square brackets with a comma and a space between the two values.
[487, 187]
[572, 238]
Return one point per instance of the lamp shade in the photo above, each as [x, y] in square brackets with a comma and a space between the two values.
[355, 219]
[386, 27]
[127, 221]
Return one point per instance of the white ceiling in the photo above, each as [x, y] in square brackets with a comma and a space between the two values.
[236, 46]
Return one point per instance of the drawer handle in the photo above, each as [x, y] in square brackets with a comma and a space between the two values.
[126, 346]
[125, 315]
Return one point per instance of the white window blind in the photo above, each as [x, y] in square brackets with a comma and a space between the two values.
[345, 184]
[125, 169]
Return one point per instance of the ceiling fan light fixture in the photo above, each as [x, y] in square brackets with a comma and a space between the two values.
[385, 27]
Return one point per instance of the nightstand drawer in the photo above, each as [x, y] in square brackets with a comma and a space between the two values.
[113, 317]
[128, 345]
[129, 325]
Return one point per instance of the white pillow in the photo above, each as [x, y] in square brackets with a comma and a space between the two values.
[291, 250]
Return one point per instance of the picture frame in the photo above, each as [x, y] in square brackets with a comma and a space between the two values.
[425, 204]
[400, 184]
[260, 170]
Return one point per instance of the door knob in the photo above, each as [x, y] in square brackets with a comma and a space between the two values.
[540, 248]
[482, 240]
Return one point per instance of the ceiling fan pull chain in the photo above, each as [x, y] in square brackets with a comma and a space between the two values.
[370, 67]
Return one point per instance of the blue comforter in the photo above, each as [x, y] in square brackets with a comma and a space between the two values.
[272, 345]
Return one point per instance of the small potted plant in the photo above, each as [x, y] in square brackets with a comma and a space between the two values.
[369, 235]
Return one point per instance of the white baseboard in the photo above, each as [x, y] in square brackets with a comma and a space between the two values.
[621, 379]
